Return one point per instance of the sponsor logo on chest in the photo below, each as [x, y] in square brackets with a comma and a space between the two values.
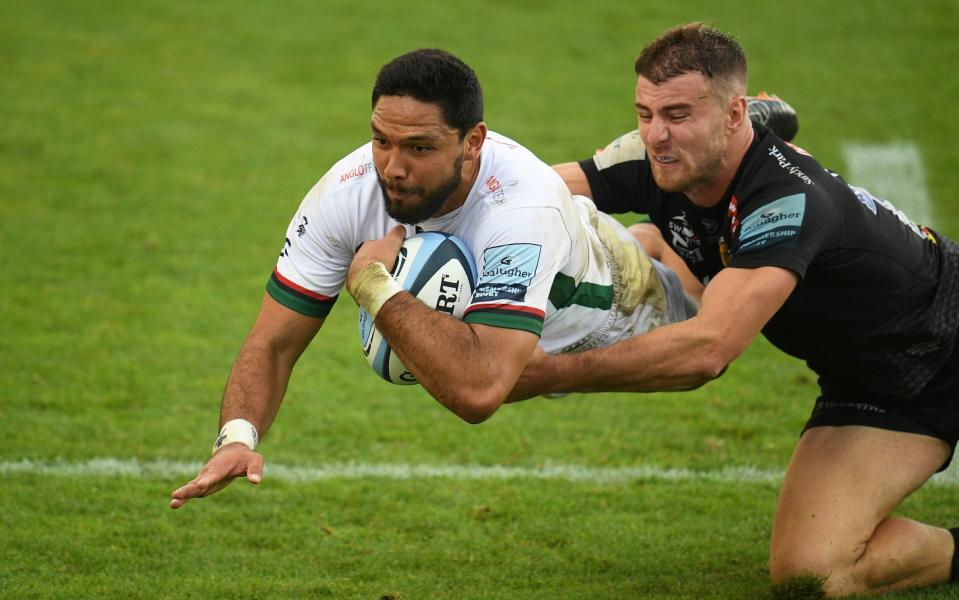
[357, 171]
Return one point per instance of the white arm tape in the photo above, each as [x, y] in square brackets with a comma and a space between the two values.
[373, 286]
[237, 430]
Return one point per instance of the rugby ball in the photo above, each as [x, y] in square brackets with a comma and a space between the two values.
[439, 270]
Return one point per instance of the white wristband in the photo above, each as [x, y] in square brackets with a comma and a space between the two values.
[373, 286]
[237, 430]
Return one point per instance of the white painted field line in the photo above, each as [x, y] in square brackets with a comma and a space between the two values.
[116, 467]
[894, 172]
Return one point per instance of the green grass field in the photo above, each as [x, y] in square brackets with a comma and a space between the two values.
[151, 156]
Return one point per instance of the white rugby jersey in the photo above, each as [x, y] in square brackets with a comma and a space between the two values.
[542, 266]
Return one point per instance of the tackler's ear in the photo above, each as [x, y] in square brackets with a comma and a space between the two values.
[736, 113]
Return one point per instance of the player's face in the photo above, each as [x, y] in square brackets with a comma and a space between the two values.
[418, 157]
[682, 124]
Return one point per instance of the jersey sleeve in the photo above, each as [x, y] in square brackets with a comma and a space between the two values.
[313, 263]
[614, 175]
[517, 263]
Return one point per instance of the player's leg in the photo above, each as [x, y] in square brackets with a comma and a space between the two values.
[833, 517]
[653, 243]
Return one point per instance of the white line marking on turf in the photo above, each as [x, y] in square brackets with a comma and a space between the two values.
[894, 172]
[114, 467]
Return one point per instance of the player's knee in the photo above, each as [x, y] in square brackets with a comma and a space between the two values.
[805, 577]
[799, 586]
[795, 568]
[794, 564]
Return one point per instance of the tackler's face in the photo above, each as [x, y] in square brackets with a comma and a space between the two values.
[682, 123]
[418, 157]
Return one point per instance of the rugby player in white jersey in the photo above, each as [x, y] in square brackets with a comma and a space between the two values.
[576, 279]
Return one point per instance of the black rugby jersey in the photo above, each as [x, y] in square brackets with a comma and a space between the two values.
[868, 314]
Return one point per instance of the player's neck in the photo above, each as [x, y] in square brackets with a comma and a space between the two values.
[710, 194]
[458, 197]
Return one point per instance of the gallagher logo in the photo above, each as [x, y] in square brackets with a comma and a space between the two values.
[510, 264]
[772, 216]
[507, 272]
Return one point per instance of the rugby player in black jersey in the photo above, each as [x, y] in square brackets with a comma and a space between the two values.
[828, 273]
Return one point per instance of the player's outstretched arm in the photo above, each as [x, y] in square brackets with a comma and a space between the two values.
[253, 393]
[575, 179]
[656, 247]
[736, 305]
[469, 368]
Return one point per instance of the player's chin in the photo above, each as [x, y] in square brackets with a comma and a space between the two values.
[668, 177]
[404, 210]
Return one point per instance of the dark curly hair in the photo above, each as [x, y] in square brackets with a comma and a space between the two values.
[434, 76]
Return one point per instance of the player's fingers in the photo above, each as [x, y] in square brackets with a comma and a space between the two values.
[182, 494]
[202, 485]
[397, 233]
[188, 490]
[254, 468]
[392, 242]
[198, 488]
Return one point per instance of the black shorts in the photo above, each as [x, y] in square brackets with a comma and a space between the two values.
[933, 412]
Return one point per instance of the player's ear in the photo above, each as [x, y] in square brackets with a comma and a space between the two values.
[736, 113]
[473, 141]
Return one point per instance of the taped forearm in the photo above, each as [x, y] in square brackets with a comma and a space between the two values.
[372, 287]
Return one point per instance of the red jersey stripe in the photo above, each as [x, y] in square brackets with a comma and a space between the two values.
[299, 288]
[507, 307]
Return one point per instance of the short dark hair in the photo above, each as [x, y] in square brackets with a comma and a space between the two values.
[435, 76]
[693, 48]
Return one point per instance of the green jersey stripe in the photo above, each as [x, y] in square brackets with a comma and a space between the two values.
[297, 302]
[507, 320]
[565, 292]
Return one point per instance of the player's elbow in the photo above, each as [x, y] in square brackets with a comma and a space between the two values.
[710, 362]
[706, 373]
[475, 417]
[477, 406]
[713, 367]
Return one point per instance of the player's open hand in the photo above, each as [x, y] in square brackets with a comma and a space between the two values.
[232, 461]
[384, 250]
